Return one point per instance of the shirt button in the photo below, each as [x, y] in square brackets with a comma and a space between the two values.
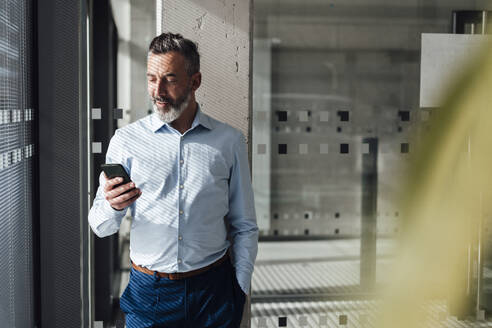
[181, 162]
[180, 212]
[179, 260]
[180, 237]
[181, 186]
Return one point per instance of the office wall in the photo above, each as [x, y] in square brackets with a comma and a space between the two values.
[366, 65]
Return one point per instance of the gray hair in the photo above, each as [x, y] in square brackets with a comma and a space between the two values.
[167, 42]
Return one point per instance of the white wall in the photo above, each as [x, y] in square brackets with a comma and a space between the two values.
[135, 21]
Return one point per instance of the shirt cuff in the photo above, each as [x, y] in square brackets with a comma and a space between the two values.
[111, 211]
[244, 280]
[105, 220]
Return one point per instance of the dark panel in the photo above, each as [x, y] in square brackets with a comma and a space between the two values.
[106, 255]
[63, 163]
[470, 21]
[369, 206]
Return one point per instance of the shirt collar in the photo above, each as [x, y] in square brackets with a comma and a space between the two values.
[200, 119]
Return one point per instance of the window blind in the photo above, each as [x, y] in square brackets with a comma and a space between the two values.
[16, 164]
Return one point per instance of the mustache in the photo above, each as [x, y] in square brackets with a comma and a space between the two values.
[162, 99]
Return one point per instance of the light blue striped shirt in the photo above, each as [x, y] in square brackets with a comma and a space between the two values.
[192, 184]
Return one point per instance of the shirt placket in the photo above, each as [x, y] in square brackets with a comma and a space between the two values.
[180, 201]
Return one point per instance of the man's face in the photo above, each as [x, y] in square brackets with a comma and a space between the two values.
[169, 85]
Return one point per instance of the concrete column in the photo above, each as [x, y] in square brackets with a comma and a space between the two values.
[222, 31]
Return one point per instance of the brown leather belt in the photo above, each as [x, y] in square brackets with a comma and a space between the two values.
[181, 275]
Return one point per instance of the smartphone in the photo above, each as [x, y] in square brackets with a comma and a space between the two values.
[116, 170]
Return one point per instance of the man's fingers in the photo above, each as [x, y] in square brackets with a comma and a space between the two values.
[111, 183]
[126, 199]
[122, 196]
[115, 192]
[125, 196]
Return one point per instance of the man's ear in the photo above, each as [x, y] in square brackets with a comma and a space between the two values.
[196, 81]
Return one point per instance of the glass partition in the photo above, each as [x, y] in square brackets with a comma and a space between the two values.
[336, 88]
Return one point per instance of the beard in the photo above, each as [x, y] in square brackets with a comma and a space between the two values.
[175, 109]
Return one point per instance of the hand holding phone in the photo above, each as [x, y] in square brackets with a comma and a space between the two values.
[119, 190]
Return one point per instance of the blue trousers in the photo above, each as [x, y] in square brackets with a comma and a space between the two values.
[210, 299]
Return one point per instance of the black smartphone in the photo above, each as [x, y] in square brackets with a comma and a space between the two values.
[116, 170]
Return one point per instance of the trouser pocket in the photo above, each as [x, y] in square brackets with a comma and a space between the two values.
[139, 295]
[239, 295]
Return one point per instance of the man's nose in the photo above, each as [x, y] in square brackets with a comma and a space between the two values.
[161, 88]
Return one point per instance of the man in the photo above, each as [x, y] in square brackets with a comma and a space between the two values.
[190, 185]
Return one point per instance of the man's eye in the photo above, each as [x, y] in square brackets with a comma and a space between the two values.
[172, 81]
